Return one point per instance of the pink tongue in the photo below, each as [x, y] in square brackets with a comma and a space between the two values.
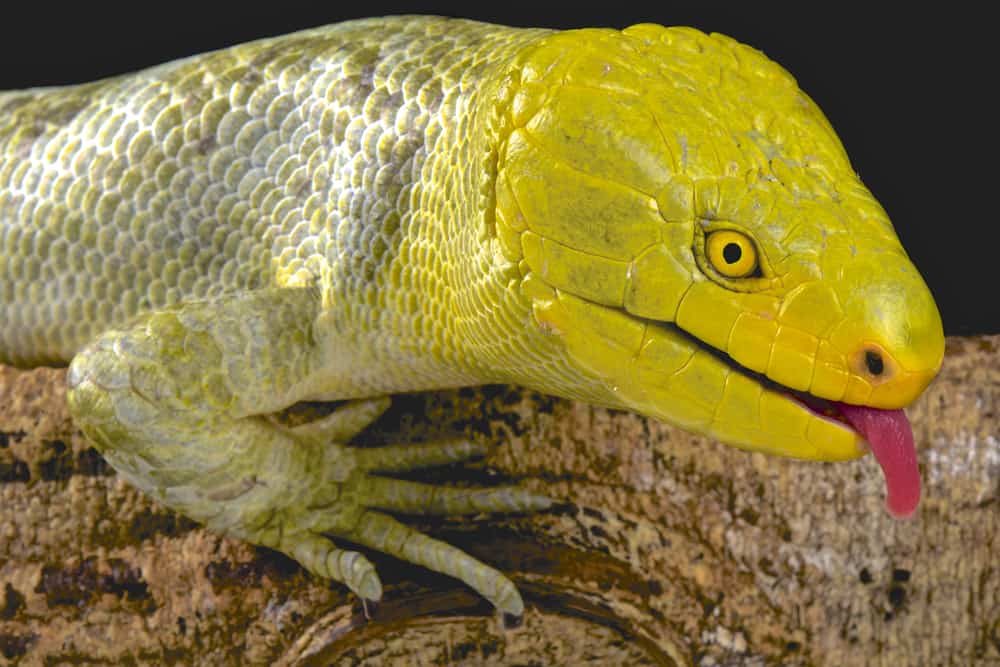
[889, 434]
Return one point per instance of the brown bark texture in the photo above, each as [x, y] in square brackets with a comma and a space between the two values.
[667, 548]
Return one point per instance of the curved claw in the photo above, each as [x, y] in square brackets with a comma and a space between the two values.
[382, 532]
[320, 556]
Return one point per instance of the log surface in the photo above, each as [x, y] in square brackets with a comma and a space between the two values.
[669, 548]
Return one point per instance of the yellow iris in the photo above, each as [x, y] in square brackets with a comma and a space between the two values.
[731, 253]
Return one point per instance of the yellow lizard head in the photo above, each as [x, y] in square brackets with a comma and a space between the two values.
[689, 226]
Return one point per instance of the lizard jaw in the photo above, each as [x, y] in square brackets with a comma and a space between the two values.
[774, 418]
[885, 432]
[654, 368]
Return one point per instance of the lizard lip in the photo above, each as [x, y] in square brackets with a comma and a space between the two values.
[886, 433]
[820, 407]
[823, 409]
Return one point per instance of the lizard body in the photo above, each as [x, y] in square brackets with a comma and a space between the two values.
[652, 219]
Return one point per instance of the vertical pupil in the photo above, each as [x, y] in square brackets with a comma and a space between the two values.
[732, 253]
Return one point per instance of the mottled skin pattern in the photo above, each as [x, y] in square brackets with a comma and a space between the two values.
[409, 203]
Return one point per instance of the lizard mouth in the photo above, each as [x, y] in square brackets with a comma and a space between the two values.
[886, 433]
[661, 370]
[820, 407]
[890, 437]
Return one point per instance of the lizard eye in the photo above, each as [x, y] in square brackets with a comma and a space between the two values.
[731, 253]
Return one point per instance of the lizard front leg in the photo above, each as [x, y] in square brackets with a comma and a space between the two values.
[177, 403]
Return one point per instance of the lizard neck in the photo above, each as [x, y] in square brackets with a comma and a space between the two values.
[420, 294]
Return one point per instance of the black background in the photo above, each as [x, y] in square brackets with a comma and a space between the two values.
[910, 91]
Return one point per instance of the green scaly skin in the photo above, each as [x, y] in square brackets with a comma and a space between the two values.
[410, 203]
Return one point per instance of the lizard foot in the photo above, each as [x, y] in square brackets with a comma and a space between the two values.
[179, 402]
[356, 511]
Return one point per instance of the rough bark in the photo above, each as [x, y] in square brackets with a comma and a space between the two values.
[670, 548]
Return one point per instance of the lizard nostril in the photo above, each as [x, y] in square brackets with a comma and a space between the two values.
[874, 362]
